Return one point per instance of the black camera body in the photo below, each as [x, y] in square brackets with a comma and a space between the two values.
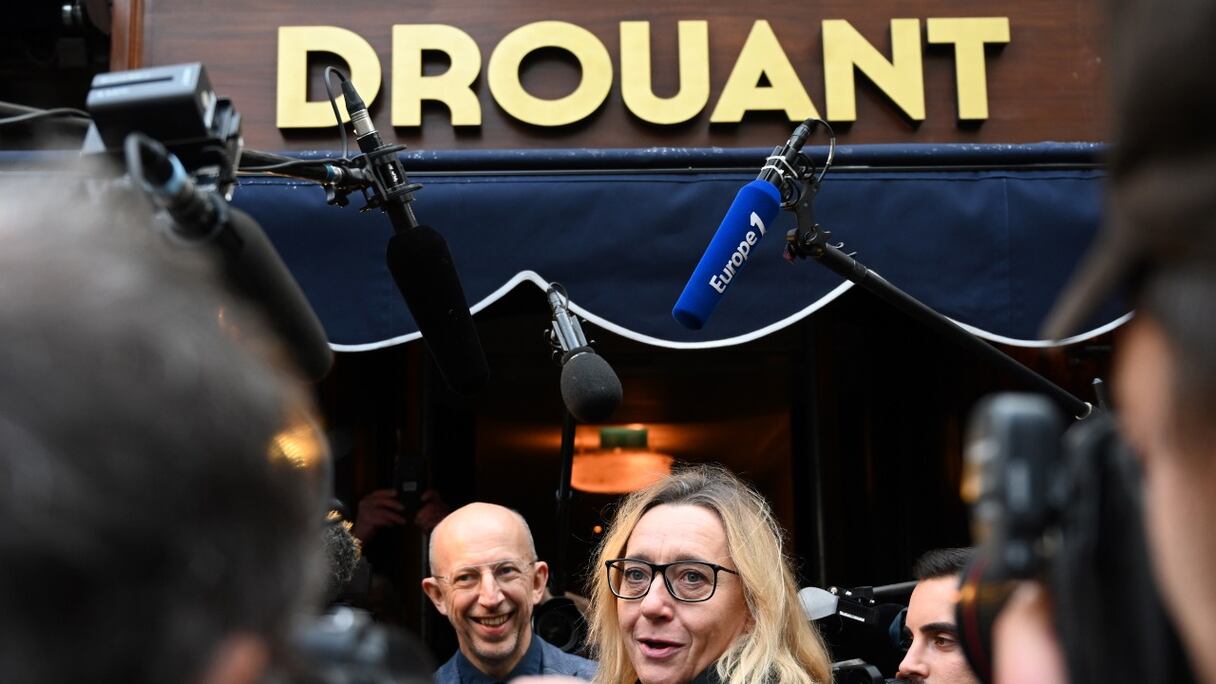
[174, 105]
[1014, 481]
[1061, 505]
[560, 622]
[345, 646]
[858, 672]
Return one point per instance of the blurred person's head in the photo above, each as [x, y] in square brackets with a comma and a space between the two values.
[343, 552]
[1159, 248]
[934, 654]
[1165, 383]
[147, 534]
[692, 575]
[486, 579]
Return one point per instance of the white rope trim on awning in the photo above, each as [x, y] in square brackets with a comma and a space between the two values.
[538, 281]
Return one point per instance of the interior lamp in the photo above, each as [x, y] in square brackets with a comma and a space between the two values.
[623, 463]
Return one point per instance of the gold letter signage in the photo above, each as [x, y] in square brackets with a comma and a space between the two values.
[295, 42]
[970, 76]
[453, 87]
[762, 77]
[509, 93]
[762, 56]
[693, 94]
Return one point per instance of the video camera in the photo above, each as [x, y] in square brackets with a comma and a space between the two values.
[862, 626]
[181, 144]
[345, 646]
[174, 105]
[857, 671]
[1061, 505]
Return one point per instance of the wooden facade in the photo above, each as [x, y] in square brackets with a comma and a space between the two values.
[1045, 83]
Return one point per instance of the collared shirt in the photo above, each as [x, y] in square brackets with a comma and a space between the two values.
[550, 660]
[532, 663]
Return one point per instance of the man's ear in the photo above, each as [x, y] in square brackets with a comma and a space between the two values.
[540, 579]
[239, 659]
[434, 592]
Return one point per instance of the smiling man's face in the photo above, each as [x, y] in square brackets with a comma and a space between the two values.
[486, 581]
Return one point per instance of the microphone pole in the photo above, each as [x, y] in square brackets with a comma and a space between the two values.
[591, 391]
[565, 495]
[809, 239]
[337, 179]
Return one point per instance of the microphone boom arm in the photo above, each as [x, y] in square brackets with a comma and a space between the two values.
[810, 239]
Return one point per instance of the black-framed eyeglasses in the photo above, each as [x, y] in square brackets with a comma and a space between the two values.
[689, 581]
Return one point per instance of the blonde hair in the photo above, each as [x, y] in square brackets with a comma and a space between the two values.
[781, 646]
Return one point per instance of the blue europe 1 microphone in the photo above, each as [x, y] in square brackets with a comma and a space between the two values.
[746, 222]
[421, 264]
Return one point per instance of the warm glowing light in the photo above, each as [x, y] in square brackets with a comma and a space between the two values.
[623, 463]
[303, 445]
[619, 472]
[301, 442]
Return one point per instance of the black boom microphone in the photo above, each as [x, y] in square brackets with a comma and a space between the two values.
[251, 264]
[591, 390]
[421, 263]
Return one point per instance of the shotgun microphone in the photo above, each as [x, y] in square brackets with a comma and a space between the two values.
[421, 263]
[251, 265]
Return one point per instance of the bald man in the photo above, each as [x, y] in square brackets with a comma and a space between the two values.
[485, 578]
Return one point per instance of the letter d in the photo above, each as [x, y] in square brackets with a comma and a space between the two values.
[293, 110]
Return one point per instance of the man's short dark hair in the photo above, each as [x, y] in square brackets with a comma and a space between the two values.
[942, 563]
[142, 519]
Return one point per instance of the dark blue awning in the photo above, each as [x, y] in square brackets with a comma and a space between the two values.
[986, 235]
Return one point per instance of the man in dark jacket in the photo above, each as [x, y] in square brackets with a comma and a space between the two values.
[486, 579]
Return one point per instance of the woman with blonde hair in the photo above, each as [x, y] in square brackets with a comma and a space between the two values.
[691, 584]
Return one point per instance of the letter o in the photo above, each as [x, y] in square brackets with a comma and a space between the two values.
[503, 73]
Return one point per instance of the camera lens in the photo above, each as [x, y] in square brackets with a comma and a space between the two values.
[982, 593]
